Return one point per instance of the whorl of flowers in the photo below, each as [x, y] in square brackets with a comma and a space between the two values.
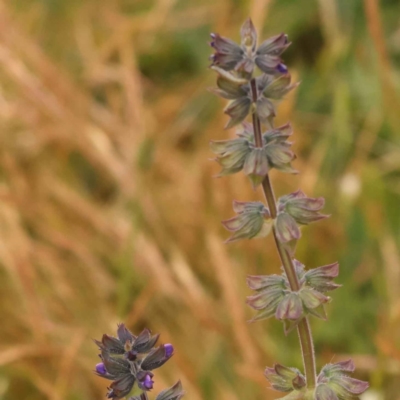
[275, 298]
[231, 56]
[333, 383]
[239, 154]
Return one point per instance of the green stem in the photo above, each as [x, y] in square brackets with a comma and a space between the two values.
[303, 328]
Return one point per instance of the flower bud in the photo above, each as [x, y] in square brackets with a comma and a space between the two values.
[145, 381]
[145, 342]
[101, 369]
[124, 335]
[253, 220]
[157, 357]
[169, 350]
[267, 55]
[111, 344]
[115, 366]
[282, 68]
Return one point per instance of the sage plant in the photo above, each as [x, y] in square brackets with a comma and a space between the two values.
[297, 293]
[127, 360]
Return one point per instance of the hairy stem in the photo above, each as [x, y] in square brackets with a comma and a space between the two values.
[303, 328]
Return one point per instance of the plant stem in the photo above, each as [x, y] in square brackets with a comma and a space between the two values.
[303, 328]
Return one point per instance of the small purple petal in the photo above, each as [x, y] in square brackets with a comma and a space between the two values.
[282, 68]
[101, 369]
[146, 383]
[169, 349]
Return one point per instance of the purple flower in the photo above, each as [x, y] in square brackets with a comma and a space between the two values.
[145, 381]
[282, 68]
[101, 369]
[169, 349]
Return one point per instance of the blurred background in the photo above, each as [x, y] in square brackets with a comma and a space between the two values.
[109, 210]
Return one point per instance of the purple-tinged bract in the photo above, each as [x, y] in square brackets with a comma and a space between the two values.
[253, 220]
[333, 379]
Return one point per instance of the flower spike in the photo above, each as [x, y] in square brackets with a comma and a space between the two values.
[127, 360]
[297, 293]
